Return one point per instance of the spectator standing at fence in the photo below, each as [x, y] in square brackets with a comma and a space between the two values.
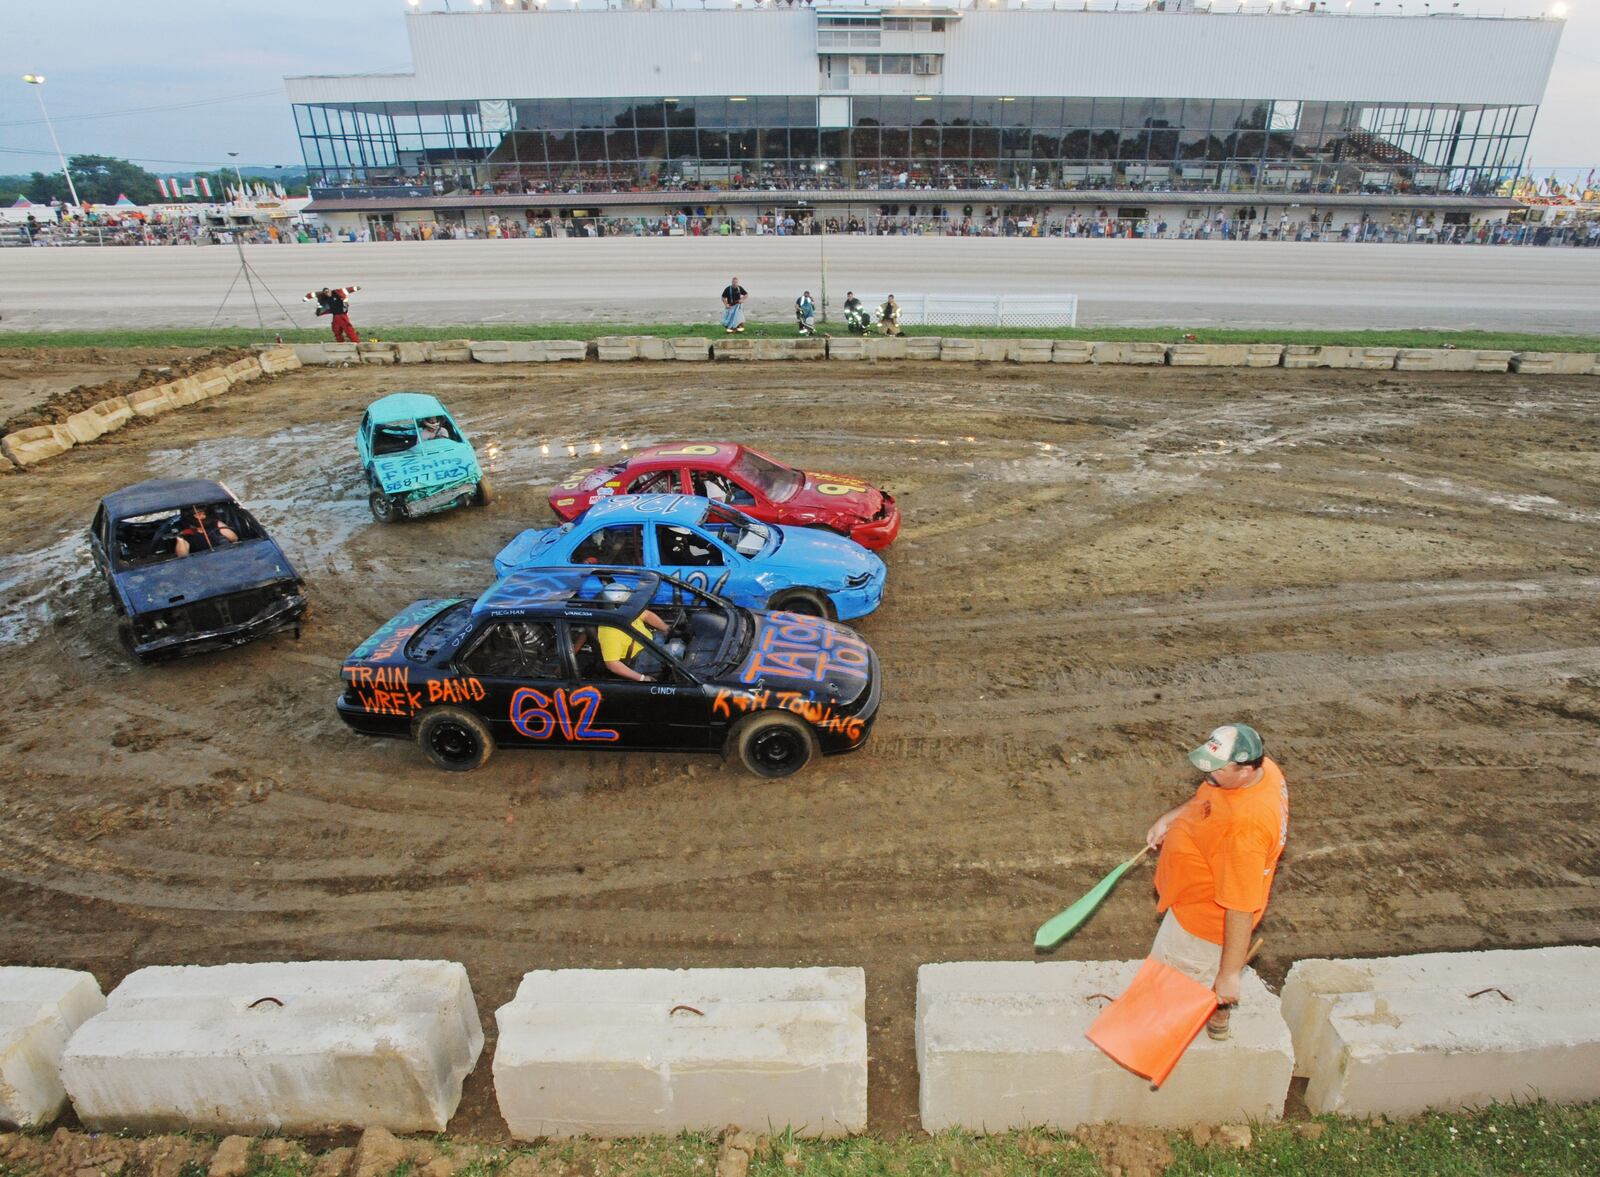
[733, 296]
[337, 303]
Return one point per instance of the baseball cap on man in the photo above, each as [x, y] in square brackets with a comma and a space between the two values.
[1233, 743]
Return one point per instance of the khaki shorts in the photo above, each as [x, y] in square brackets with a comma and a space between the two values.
[1183, 950]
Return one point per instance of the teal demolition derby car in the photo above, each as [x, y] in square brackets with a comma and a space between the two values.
[416, 460]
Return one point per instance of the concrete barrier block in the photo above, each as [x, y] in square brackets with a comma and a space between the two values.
[508, 351]
[84, 426]
[186, 391]
[1071, 351]
[240, 371]
[1447, 1030]
[994, 351]
[1554, 363]
[113, 413]
[615, 349]
[847, 347]
[1436, 359]
[653, 347]
[886, 348]
[319, 353]
[1491, 361]
[28, 446]
[691, 348]
[285, 359]
[377, 353]
[812, 347]
[734, 348]
[450, 351]
[923, 347]
[39, 1010]
[1263, 355]
[412, 352]
[1375, 359]
[212, 382]
[630, 1052]
[558, 350]
[1029, 351]
[1128, 353]
[152, 402]
[1000, 1046]
[1303, 355]
[252, 1048]
[959, 350]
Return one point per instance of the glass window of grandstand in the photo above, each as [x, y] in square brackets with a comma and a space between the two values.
[909, 141]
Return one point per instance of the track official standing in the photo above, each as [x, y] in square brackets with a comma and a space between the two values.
[1219, 853]
[336, 302]
[733, 296]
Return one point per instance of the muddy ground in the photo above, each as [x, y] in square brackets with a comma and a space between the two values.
[1392, 575]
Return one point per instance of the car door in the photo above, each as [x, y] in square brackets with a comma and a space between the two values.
[657, 482]
[670, 712]
[722, 487]
[508, 674]
[697, 559]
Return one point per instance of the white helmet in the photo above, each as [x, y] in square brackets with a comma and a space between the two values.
[616, 593]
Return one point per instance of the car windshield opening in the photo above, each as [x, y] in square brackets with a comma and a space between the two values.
[153, 537]
[395, 437]
[446, 627]
[775, 481]
[740, 532]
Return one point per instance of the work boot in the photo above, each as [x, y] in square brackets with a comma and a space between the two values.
[1217, 1027]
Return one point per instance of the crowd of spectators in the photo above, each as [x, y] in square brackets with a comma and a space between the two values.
[718, 222]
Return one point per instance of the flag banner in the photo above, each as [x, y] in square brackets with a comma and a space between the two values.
[205, 187]
[1149, 1027]
[162, 184]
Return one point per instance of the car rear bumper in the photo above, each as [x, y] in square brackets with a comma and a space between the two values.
[879, 532]
[285, 616]
[371, 723]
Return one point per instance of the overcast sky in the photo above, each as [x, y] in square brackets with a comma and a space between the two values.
[107, 61]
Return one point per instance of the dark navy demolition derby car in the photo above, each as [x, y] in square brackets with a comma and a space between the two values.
[583, 658]
[191, 570]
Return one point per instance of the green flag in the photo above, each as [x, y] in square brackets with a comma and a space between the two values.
[1058, 927]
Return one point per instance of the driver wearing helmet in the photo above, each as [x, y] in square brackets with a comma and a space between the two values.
[432, 428]
[619, 647]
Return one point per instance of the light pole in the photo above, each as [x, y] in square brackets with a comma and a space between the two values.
[38, 80]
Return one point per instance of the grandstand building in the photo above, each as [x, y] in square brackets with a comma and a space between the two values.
[933, 111]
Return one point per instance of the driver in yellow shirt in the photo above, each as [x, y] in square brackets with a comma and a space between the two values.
[617, 646]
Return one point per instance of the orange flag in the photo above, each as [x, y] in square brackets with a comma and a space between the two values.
[1149, 1027]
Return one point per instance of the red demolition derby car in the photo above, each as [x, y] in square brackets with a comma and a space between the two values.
[743, 478]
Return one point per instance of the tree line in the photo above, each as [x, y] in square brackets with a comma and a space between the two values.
[100, 179]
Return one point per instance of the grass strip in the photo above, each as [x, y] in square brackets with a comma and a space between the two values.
[247, 336]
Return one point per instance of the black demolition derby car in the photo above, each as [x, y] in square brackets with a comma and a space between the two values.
[537, 661]
[190, 569]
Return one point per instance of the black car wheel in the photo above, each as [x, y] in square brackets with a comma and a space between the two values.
[455, 740]
[484, 494]
[806, 602]
[773, 744]
[384, 508]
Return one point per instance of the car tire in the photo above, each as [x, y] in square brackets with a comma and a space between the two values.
[484, 495]
[384, 508]
[772, 744]
[806, 602]
[454, 739]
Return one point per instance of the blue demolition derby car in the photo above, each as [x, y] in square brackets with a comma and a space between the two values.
[712, 546]
[416, 459]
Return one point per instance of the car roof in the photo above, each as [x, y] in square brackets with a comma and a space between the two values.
[405, 406]
[553, 591]
[726, 453]
[160, 493]
[647, 509]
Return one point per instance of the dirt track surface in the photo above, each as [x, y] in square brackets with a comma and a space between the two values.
[1393, 576]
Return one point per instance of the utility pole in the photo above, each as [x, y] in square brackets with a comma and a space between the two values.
[38, 80]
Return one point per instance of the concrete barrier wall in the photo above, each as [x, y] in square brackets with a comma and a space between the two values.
[39, 1010]
[627, 1052]
[1397, 1035]
[311, 1047]
[1000, 1045]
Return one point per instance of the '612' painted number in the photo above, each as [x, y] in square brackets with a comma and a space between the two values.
[537, 715]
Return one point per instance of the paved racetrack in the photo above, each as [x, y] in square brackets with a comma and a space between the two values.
[1189, 283]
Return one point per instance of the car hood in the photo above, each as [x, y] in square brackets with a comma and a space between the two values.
[387, 643]
[821, 659]
[821, 558]
[528, 549]
[432, 463]
[831, 494]
[184, 580]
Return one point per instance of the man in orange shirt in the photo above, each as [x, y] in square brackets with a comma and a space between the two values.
[1219, 852]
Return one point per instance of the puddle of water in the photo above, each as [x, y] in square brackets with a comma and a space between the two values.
[34, 586]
